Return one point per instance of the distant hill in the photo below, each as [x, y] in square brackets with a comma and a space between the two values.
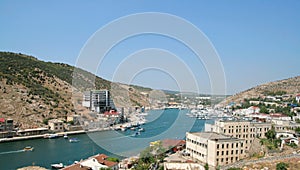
[33, 91]
[290, 87]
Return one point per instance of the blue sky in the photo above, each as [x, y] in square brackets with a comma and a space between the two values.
[257, 41]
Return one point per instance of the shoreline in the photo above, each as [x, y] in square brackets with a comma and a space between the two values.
[60, 134]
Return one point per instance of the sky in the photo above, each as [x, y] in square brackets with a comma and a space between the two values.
[256, 41]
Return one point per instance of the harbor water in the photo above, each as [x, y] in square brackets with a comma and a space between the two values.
[161, 124]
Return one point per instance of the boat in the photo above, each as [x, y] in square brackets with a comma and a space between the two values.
[73, 140]
[66, 136]
[51, 136]
[141, 130]
[28, 148]
[57, 166]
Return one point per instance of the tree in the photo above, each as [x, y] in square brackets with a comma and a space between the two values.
[206, 167]
[271, 134]
[281, 166]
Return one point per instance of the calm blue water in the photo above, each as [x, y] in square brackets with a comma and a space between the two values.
[172, 124]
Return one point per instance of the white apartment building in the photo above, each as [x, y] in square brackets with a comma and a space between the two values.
[214, 148]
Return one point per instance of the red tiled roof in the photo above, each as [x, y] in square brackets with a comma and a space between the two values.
[167, 143]
[2, 120]
[75, 167]
[112, 112]
[101, 158]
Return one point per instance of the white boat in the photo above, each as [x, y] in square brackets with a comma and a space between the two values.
[73, 140]
[66, 136]
[57, 166]
[28, 148]
[51, 136]
[141, 130]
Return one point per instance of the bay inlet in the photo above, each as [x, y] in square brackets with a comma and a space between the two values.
[161, 124]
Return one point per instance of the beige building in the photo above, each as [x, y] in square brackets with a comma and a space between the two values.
[214, 148]
[56, 125]
[242, 129]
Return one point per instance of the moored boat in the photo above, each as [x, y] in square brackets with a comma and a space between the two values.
[66, 136]
[57, 166]
[51, 136]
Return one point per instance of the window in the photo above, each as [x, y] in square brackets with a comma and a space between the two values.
[227, 146]
[226, 152]
[236, 152]
[241, 151]
[232, 145]
[231, 152]
[217, 160]
[222, 159]
[217, 146]
[237, 145]
[223, 146]
[217, 153]
[222, 152]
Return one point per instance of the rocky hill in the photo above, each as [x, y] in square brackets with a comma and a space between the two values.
[289, 87]
[33, 91]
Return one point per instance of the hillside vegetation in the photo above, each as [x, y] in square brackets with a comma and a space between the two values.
[33, 91]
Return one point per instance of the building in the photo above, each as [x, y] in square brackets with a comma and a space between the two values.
[242, 129]
[6, 124]
[94, 163]
[56, 125]
[214, 148]
[98, 100]
[298, 98]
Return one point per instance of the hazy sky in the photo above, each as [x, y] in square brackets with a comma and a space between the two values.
[257, 41]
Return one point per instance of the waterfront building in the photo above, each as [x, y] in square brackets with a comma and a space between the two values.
[214, 148]
[6, 128]
[56, 125]
[31, 132]
[6, 124]
[98, 100]
[94, 163]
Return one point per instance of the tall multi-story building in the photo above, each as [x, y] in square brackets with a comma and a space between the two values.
[242, 129]
[98, 100]
[214, 148]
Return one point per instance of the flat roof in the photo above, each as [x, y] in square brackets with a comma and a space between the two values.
[213, 136]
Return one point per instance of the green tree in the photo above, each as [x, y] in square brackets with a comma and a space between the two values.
[264, 109]
[271, 134]
[113, 159]
[206, 167]
[281, 166]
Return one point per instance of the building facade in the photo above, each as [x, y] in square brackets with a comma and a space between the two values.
[98, 100]
[242, 129]
[214, 148]
[56, 125]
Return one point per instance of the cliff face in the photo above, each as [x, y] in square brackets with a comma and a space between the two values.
[33, 91]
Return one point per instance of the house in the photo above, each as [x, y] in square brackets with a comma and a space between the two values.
[94, 163]
[56, 125]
